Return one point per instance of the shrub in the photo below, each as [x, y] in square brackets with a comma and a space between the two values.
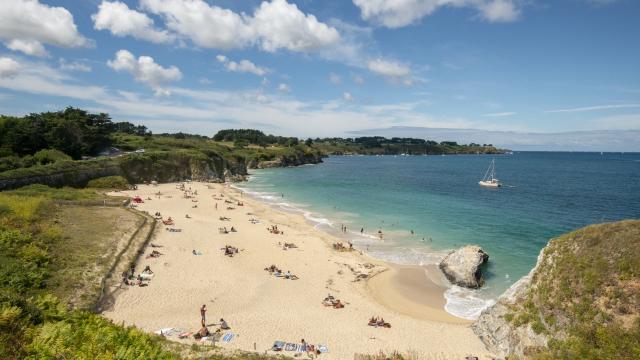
[47, 156]
[109, 182]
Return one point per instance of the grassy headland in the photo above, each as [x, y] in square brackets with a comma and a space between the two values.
[585, 294]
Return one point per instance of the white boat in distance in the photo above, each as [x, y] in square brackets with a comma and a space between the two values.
[489, 179]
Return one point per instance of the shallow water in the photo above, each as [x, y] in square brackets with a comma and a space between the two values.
[439, 199]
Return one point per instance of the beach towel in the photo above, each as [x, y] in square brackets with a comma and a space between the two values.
[323, 349]
[290, 347]
[301, 347]
[228, 337]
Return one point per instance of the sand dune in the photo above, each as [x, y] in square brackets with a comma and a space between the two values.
[261, 308]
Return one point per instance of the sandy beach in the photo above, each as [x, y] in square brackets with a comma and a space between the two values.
[261, 308]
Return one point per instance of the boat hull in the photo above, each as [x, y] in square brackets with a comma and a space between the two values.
[489, 184]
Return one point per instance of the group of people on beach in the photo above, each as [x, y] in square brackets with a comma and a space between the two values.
[340, 246]
[204, 330]
[142, 279]
[274, 230]
[333, 302]
[229, 250]
[378, 322]
[273, 270]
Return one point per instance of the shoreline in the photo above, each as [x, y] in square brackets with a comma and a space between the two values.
[461, 305]
[261, 308]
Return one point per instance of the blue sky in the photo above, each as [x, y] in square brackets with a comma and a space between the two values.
[325, 68]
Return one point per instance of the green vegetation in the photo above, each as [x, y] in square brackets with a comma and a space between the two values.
[45, 192]
[377, 145]
[109, 182]
[72, 131]
[368, 145]
[585, 294]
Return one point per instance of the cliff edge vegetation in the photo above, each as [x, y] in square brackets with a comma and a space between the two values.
[581, 301]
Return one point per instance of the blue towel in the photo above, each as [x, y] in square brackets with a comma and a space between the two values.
[290, 347]
[227, 337]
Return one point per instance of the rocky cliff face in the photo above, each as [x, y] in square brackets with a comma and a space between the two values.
[580, 301]
[503, 337]
[287, 160]
[167, 166]
[462, 266]
[63, 176]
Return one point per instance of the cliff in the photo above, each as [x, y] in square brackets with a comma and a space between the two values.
[296, 159]
[581, 300]
[161, 166]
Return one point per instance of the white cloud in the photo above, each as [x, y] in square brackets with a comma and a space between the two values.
[594, 108]
[399, 13]
[122, 21]
[274, 25]
[29, 47]
[388, 68]
[500, 114]
[347, 96]
[284, 87]
[335, 79]
[27, 24]
[205, 81]
[358, 79]
[74, 66]
[244, 66]
[145, 70]
[282, 25]
[499, 11]
[395, 72]
[205, 25]
[8, 67]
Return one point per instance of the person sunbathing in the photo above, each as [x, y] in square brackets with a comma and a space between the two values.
[337, 304]
[373, 321]
[147, 270]
[233, 229]
[203, 332]
[187, 216]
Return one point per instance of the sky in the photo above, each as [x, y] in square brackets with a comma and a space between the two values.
[316, 68]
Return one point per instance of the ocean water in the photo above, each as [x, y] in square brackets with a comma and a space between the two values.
[428, 205]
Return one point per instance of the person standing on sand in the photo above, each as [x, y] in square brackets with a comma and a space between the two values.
[203, 312]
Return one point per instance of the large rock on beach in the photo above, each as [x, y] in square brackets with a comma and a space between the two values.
[462, 266]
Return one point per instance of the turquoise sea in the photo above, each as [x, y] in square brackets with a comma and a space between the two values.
[439, 199]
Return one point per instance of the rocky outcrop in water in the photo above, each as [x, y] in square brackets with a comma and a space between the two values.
[462, 266]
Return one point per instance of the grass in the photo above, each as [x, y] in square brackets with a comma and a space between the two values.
[81, 260]
[585, 294]
[109, 182]
[65, 193]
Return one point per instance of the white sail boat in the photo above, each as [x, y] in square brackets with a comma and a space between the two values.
[489, 179]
